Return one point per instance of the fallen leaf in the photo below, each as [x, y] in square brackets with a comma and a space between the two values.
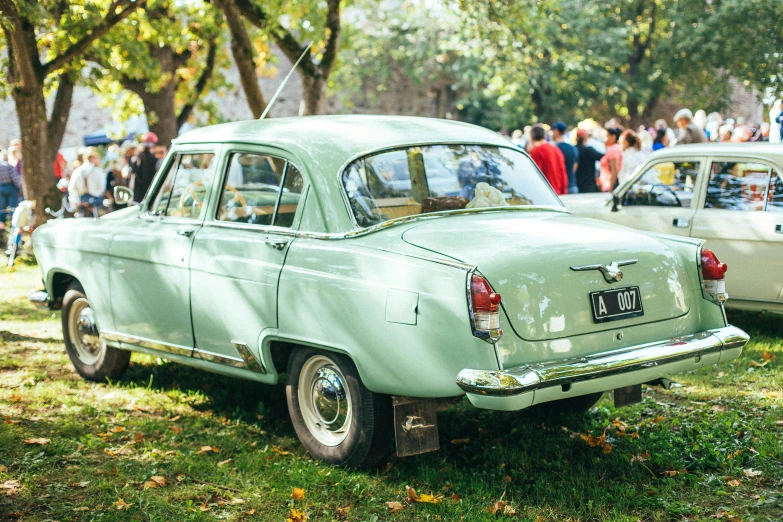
[41, 441]
[423, 498]
[658, 419]
[3, 469]
[386, 468]
[122, 505]
[502, 507]
[594, 441]
[117, 429]
[634, 435]
[507, 478]
[176, 429]
[755, 364]
[779, 423]
[750, 472]
[394, 507]
[138, 437]
[223, 463]
[296, 516]
[733, 483]
[81, 484]
[83, 508]
[160, 481]
[669, 473]
[277, 450]
[767, 356]
[11, 487]
[15, 397]
[207, 449]
[298, 494]
[204, 507]
[460, 441]
[250, 512]
[455, 497]
[174, 419]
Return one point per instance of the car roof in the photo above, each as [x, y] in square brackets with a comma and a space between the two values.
[721, 149]
[346, 135]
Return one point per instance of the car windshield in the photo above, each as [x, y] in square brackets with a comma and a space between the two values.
[433, 178]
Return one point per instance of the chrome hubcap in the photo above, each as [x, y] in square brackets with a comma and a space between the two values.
[83, 332]
[325, 400]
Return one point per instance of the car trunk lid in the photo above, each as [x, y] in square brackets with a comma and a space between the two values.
[527, 258]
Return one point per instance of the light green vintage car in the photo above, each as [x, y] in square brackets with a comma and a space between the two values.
[365, 257]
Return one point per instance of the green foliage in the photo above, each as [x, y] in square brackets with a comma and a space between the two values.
[166, 42]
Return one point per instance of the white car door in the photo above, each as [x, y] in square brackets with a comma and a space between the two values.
[661, 197]
[742, 221]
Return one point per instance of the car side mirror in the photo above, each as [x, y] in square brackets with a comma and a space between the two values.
[123, 195]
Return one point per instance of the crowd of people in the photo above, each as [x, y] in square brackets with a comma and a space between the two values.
[594, 158]
[87, 176]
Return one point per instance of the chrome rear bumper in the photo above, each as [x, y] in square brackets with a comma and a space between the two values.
[544, 375]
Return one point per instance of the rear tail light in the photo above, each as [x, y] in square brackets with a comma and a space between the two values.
[713, 274]
[484, 309]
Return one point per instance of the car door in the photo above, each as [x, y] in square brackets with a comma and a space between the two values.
[661, 197]
[740, 219]
[239, 253]
[150, 277]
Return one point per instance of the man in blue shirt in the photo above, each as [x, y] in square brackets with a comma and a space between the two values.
[569, 152]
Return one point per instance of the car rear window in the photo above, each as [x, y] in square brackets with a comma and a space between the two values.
[435, 178]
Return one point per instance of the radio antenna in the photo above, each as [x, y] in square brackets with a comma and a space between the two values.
[285, 80]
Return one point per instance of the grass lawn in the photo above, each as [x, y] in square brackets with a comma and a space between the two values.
[172, 443]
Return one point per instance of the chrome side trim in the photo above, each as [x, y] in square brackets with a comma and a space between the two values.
[536, 376]
[117, 337]
[218, 358]
[447, 262]
[253, 364]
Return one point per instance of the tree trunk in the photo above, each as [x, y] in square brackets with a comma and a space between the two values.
[159, 108]
[59, 119]
[313, 95]
[37, 168]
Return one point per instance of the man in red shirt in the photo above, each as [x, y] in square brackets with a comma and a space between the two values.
[549, 159]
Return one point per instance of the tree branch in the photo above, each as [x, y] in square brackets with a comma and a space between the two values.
[333, 39]
[242, 50]
[201, 84]
[20, 35]
[78, 48]
[60, 111]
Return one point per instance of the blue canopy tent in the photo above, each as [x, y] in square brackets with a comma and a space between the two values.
[100, 137]
[135, 125]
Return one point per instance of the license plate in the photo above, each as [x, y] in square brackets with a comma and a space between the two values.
[611, 305]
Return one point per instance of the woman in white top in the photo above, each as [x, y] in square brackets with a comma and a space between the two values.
[633, 155]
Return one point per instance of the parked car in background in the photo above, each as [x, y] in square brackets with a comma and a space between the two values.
[731, 195]
[365, 258]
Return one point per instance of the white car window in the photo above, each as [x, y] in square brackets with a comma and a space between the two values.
[664, 184]
[775, 203]
[737, 185]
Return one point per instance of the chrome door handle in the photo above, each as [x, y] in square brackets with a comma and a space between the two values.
[277, 244]
[681, 222]
[779, 228]
[186, 232]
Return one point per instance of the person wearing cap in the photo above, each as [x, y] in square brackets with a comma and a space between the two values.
[144, 167]
[612, 161]
[585, 169]
[570, 154]
[689, 131]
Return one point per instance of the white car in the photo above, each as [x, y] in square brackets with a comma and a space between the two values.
[729, 194]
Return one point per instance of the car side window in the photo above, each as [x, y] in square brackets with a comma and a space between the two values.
[775, 203]
[184, 190]
[253, 188]
[665, 184]
[738, 185]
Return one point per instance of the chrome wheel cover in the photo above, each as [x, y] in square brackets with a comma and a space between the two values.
[83, 332]
[325, 401]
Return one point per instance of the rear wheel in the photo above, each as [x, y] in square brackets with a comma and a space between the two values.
[89, 354]
[335, 416]
[579, 404]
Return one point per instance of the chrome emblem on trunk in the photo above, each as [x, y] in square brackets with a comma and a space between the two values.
[611, 272]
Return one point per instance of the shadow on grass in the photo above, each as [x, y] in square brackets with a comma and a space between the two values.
[14, 337]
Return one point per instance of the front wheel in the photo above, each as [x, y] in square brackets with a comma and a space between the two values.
[336, 417]
[89, 354]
